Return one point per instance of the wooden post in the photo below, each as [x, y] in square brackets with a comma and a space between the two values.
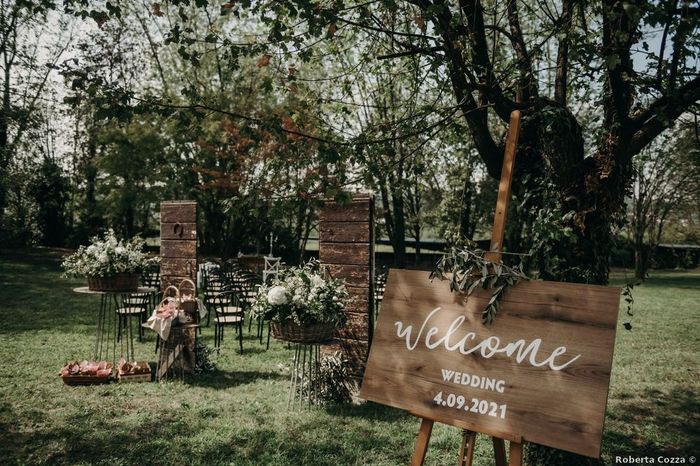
[499, 220]
[421, 448]
[346, 249]
[498, 232]
[516, 454]
[466, 451]
[178, 242]
[178, 261]
[499, 451]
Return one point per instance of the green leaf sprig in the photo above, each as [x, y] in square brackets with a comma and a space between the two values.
[468, 269]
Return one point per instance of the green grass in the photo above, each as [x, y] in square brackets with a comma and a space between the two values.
[238, 415]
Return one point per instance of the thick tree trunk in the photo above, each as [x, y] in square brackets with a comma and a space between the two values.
[567, 214]
[640, 262]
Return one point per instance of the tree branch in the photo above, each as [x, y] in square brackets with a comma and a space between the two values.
[561, 80]
[527, 86]
[476, 34]
[661, 114]
[618, 33]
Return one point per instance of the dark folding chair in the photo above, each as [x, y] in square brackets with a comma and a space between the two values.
[133, 306]
[230, 312]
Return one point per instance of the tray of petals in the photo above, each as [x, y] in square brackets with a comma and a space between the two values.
[133, 371]
[86, 372]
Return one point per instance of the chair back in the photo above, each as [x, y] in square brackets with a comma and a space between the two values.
[228, 303]
[136, 300]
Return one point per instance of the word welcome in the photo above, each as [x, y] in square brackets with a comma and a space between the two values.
[487, 348]
[474, 381]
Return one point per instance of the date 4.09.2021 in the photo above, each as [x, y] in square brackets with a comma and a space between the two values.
[484, 407]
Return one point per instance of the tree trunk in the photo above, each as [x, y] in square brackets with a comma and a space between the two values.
[640, 264]
[567, 214]
[399, 241]
[4, 143]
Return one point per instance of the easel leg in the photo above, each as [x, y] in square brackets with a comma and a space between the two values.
[421, 448]
[516, 454]
[499, 451]
[466, 451]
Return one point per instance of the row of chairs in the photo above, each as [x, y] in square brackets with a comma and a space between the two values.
[230, 290]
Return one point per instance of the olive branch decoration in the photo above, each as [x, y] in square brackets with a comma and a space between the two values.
[468, 269]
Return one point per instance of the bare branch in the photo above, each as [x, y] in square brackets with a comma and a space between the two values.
[561, 81]
[661, 114]
[527, 87]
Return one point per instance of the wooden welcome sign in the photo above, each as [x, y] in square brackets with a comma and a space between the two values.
[539, 373]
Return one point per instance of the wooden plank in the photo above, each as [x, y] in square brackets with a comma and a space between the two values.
[356, 328]
[356, 211]
[421, 448]
[344, 232]
[178, 231]
[359, 300]
[172, 356]
[499, 451]
[564, 332]
[466, 450]
[345, 253]
[178, 211]
[354, 275]
[179, 267]
[516, 454]
[173, 280]
[499, 221]
[171, 248]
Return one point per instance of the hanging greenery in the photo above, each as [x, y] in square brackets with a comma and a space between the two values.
[468, 269]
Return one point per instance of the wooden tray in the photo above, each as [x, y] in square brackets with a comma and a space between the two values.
[84, 379]
[134, 378]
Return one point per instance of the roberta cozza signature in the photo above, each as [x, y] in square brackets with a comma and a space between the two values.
[520, 349]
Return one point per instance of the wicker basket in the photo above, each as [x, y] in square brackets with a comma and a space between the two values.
[117, 282]
[310, 333]
[188, 306]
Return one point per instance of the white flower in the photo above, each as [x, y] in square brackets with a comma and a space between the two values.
[277, 296]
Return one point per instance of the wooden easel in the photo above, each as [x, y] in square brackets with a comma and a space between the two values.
[466, 451]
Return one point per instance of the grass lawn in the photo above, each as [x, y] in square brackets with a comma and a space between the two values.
[238, 415]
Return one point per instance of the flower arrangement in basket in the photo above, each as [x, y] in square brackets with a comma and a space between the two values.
[303, 303]
[110, 264]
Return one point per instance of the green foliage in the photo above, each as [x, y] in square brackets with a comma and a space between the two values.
[331, 384]
[203, 358]
[468, 269]
[50, 190]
